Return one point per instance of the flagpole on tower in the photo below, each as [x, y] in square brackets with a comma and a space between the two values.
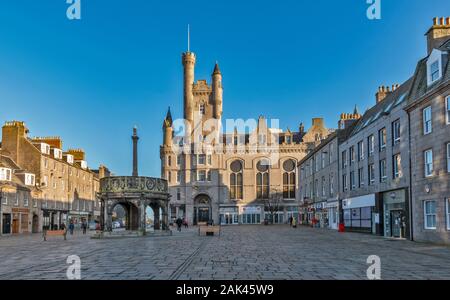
[189, 38]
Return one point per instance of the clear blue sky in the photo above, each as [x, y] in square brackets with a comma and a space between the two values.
[90, 81]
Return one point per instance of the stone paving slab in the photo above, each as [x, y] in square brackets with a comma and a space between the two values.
[241, 252]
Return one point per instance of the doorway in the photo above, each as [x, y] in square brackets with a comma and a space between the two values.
[6, 224]
[16, 225]
[202, 209]
[203, 214]
[35, 224]
[397, 223]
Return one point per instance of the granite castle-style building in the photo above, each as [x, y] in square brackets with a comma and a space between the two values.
[233, 178]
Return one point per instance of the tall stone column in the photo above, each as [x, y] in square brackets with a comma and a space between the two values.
[135, 139]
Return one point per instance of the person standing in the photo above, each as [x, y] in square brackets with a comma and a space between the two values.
[179, 223]
[84, 226]
[71, 227]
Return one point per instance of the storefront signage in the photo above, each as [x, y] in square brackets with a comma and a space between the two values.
[357, 202]
[228, 210]
[250, 210]
[20, 210]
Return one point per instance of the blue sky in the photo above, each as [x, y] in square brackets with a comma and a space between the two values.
[91, 80]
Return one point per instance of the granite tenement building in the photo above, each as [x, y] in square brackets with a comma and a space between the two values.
[429, 114]
[62, 185]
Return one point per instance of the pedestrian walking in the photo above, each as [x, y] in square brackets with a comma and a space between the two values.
[179, 223]
[291, 221]
[71, 227]
[185, 223]
[294, 223]
[84, 227]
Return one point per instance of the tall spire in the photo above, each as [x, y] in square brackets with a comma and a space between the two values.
[216, 69]
[356, 110]
[169, 116]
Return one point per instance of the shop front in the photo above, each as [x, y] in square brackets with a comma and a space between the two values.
[333, 213]
[20, 220]
[292, 212]
[229, 215]
[359, 213]
[250, 214]
[320, 214]
[53, 219]
[395, 214]
[78, 217]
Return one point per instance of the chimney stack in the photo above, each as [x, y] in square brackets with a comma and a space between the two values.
[438, 34]
[384, 91]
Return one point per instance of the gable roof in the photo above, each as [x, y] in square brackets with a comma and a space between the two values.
[384, 107]
[420, 86]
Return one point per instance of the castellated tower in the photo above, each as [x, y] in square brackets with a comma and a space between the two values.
[188, 60]
[168, 130]
[217, 92]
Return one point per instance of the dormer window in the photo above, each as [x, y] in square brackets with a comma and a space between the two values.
[30, 179]
[83, 164]
[69, 159]
[45, 148]
[57, 153]
[434, 67]
[434, 71]
[5, 174]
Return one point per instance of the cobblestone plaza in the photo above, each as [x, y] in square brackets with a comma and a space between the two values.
[241, 252]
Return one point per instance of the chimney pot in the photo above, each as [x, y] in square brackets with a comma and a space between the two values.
[442, 21]
[435, 21]
[447, 21]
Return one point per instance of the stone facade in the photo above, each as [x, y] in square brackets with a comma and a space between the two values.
[237, 178]
[19, 212]
[429, 113]
[319, 192]
[65, 187]
[374, 168]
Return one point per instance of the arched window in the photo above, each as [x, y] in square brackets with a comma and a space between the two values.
[289, 179]
[236, 184]
[262, 179]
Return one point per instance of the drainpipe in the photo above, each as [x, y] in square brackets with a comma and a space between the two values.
[411, 227]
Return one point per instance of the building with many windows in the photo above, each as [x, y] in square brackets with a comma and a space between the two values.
[65, 187]
[429, 114]
[374, 168]
[19, 211]
[318, 171]
[241, 177]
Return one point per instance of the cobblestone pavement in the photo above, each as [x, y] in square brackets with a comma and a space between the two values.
[241, 252]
